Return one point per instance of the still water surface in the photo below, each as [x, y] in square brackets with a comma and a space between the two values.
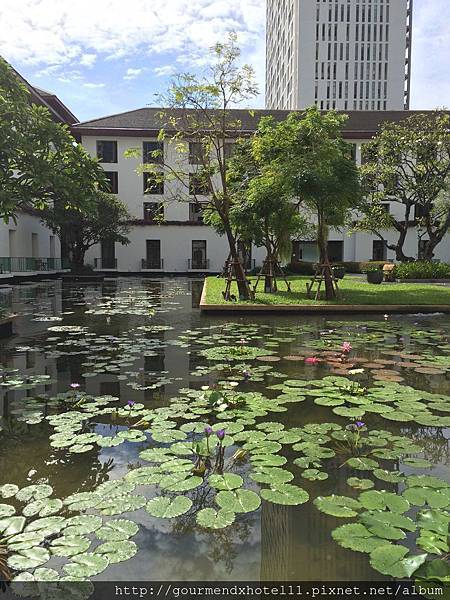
[275, 542]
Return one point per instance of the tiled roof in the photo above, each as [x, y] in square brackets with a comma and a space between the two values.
[150, 120]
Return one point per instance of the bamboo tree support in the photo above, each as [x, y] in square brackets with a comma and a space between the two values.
[269, 272]
[323, 271]
[230, 268]
[225, 268]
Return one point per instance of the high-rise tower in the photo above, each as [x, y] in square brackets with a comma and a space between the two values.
[343, 54]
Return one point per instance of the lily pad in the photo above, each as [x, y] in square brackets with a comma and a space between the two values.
[211, 519]
[337, 506]
[166, 508]
[227, 481]
[117, 551]
[86, 565]
[285, 494]
[391, 560]
[238, 501]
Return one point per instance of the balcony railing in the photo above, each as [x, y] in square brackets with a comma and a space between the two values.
[198, 265]
[152, 265]
[103, 264]
[24, 264]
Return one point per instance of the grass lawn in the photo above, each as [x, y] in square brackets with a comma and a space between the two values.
[352, 290]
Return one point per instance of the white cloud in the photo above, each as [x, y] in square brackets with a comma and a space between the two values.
[93, 85]
[133, 73]
[430, 62]
[164, 71]
[87, 60]
[58, 35]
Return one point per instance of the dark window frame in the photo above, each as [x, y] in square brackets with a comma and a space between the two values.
[113, 179]
[151, 210]
[150, 146]
[101, 152]
[152, 189]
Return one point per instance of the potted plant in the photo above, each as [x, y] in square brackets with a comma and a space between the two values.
[375, 275]
[339, 272]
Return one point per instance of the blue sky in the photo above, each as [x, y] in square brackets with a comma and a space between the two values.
[107, 56]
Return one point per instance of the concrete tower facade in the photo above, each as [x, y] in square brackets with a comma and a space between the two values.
[343, 54]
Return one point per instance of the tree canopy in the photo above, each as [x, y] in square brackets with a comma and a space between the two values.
[40, 161]
[408, 165]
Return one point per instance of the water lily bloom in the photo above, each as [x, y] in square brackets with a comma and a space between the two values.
[221, 434]
[312, 360]
[346, 347]
[131, 403]
[246, 374]
[360, 424]
[74, 386]
[208, 431]
[242, 341]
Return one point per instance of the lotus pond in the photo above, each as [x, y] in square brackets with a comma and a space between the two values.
[140, 440]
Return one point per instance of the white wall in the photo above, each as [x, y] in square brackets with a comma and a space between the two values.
[176, 240]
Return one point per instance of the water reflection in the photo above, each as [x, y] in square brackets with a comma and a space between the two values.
[275, 543]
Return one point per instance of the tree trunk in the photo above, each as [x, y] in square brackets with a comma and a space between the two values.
[239, 273]
[77, 256]
[322, 242]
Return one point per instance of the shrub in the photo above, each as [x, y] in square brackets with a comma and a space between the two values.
[362, 267]
[422, 270]
[301, 267]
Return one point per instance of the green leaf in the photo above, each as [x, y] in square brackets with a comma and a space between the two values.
[86, 565]
[166, 508]
[82, 524]
[11, 525]
[227, 481]
[285, 494]
[44, 507]
[121, 504]
[24, 541]
[8, 490]
[390, 560]
[178, 482]
[360, 484]
[69, 545]
[379, 500]
[34, 492]
[6, 510]
[211, 519]
[432, 542]
[117, 551]
[239, 501]
[420, 496]
[362, 464]
[117, 530]
[355, 536]
[337, 506]
[28, 559]
[271, 475]
[434, 520]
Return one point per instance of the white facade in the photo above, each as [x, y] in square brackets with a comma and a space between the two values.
[342, 54]
[177, 234]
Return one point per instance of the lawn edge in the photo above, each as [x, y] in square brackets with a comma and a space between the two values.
[319, 308]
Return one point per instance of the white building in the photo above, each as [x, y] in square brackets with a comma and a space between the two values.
[343, 54]
[182, 243]
[27, 247]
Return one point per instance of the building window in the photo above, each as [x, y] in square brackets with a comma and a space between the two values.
[198, 185]
[196, 153]
[153, 183]
[153, 211]
[107, 151]
[378, 250]
[153, 255]
[195, 212]
[112, 185]
[108, 254]
[199, 260]
[153, 152]
[335, 251]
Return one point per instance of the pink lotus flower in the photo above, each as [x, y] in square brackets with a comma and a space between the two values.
[346, 347]
[74, 386]
[312, 360]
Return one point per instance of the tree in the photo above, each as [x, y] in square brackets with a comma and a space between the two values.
[198, 117]
[264, 211]
[311, 161]
[408, 165]
[106, 219]
[40, 161]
